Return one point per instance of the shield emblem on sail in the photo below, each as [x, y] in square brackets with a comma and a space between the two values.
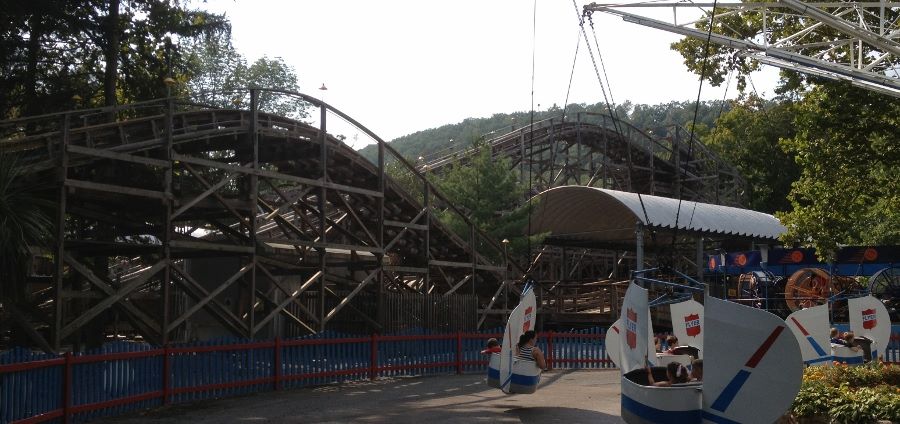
[692, 325]
[527, 324]
[868, 319]
[631, 329]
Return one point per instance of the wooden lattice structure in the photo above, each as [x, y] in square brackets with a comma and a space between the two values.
[178, 222]
[597, 150]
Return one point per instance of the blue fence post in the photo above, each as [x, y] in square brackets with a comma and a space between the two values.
[373, 357]
[67, 389]
[166, 370]
[277, 363]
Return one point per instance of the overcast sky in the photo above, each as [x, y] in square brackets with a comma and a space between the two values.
[399, 67]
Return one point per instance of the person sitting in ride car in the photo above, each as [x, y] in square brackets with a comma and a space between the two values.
[848, 341]
[493, 346]
[697, 370]
[528, 351]
[672, 343]
[675, 372]
[836, 337]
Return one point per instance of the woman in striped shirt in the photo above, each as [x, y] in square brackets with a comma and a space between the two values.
[526, 349]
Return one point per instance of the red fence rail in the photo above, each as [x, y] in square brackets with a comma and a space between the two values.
[167, 375]
[129, 376]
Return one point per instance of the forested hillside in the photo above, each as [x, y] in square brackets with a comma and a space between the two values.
[427, 142]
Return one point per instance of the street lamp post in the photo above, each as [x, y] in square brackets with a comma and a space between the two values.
[323, 89]
[505, 273]
[169, 83]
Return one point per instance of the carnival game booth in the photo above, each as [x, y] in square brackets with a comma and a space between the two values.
[506, 371]
[753, 368]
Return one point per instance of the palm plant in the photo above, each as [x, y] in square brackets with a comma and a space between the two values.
[24, 223]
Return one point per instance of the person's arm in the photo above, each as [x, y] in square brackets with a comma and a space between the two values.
[653, 382]
[539, 358]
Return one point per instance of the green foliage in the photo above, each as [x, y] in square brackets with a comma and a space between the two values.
[452, 138]
[849, 187]
[405, 179]
[53, 50]
[25, 223]
[814, 399]
[849, 394]
[220, 76]
[489, 193]
[721, 60]
[747, 136]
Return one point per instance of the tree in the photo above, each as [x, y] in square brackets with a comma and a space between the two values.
[748, 136]
[845, 138]
[25, 224]
[220, 77]
[489, 193]
[849, 187]
[104, 51]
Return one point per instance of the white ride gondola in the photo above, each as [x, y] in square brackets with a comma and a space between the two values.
[506, 371]
[810, 327]
[869, 321]
[752, 368]
[687, 326]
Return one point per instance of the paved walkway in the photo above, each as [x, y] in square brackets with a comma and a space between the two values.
[563, 397]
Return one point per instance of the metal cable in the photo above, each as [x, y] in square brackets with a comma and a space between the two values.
[712, 17]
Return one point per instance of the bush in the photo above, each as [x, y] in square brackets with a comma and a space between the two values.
[849, 394]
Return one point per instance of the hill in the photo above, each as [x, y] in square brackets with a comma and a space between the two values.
[427, 142]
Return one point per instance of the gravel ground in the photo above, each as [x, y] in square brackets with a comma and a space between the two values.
[563, 397]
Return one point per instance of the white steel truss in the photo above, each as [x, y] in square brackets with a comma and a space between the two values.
[854, 41]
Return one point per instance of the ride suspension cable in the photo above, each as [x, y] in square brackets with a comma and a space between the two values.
[612, 112]
[712, 17]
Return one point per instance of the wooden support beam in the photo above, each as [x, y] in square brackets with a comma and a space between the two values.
[319, 245]
[275, 175]
[457, 285]
[210, 190]
[114, 296]
[491, 304]
[287, 301]
[356, 218]
[218, 196]
[350, 296]
[390, 223]
[466, 265]
[198, 292]
[217, 247]
[368, 319]
[109, 188]
[24, 323]
[200, 304]
[280, 285]
[106, 154]
[295, 319]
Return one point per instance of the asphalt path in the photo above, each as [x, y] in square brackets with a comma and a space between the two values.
[562, 397]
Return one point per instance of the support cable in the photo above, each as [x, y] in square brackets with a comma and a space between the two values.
[571, 76]
[612, 111]
[531, 123]
[712, 17]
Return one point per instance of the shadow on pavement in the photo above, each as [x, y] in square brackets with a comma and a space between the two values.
[556, 414]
